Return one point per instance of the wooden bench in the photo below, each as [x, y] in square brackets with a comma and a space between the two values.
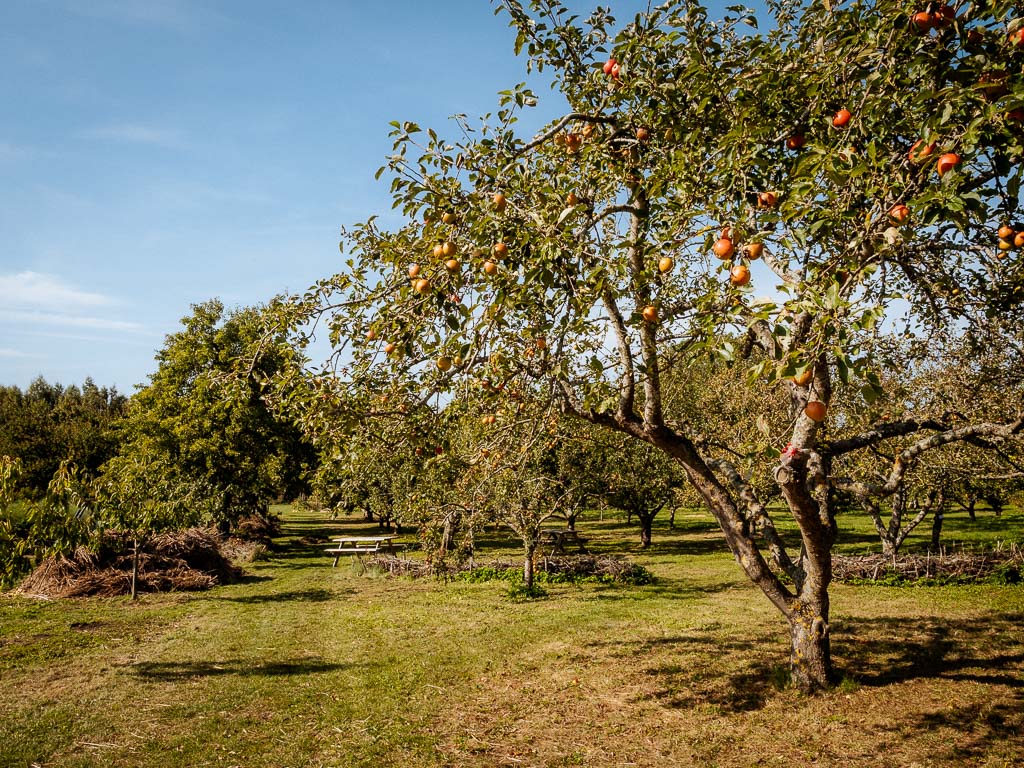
[357, 551]
[359, 546]
[557, 539]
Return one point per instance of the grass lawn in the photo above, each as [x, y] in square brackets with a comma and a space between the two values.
[308, 665]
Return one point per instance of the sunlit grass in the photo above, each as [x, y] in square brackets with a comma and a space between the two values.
[308, 665]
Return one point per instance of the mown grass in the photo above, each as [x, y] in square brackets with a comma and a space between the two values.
[308, 665]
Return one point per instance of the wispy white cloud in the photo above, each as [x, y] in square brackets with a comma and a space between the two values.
[72, 321]
[137, 133]
[36, 290]
[144, 338]
[33, 300]
[14, 353]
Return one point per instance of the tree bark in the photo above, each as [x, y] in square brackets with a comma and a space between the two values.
[811, 653]
[530, 548]
[937, 529]
[135, 564]
[646, 523]
[807, 609]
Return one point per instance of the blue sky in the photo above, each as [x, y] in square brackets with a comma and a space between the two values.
[159, 153]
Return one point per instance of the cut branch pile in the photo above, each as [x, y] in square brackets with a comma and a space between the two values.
[567, 567]
[187, 560]
[1005, 563]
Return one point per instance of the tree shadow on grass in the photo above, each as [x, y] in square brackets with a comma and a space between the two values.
[173, 671]
[663, 588]
[314, 595]
[978, 727]
[892, 649]
[251, 578]
[707, 669]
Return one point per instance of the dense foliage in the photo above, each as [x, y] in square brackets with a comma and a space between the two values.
[49, 423]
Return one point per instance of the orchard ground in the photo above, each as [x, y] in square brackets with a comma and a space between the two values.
[307, 665]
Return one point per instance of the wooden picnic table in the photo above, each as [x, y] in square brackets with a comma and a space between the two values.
[359, 546]
[557, 539]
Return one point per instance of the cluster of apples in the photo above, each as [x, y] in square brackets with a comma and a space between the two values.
[612, 68]
[1010, 238]
[573, 140]
[937, 17]
[920, 152]
[725, 248]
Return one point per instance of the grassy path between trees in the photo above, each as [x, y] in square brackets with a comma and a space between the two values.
[308, 665]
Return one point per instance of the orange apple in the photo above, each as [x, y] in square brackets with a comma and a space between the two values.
[414, 270]
[452, 265]
[842, 118]
[438, 251]
[723, 248]
[500, 250]
[766, 199]
[815, 410]
[499, 202]
[448, 217]
[421, 286]
[665, 264]
[948, 162]
[922, 21]
[444, 364]
[899, 213]
[918, 153]
[739, 275]
[803, 379]
[490, 268]
[650, 314]
[1006, 232]
[753, 251]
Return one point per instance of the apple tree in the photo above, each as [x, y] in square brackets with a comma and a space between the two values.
[202, 417]
[800, 179]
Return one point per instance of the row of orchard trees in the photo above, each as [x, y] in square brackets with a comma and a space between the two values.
[484, 458]
[849, 167]
[197, 444]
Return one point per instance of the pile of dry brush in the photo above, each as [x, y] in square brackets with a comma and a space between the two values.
[568, 567]
[1005, 561]
[186, 560]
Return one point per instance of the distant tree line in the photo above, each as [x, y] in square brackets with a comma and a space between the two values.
[49, 423]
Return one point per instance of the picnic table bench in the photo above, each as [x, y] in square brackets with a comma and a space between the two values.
[359, 546]
[556, 540]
